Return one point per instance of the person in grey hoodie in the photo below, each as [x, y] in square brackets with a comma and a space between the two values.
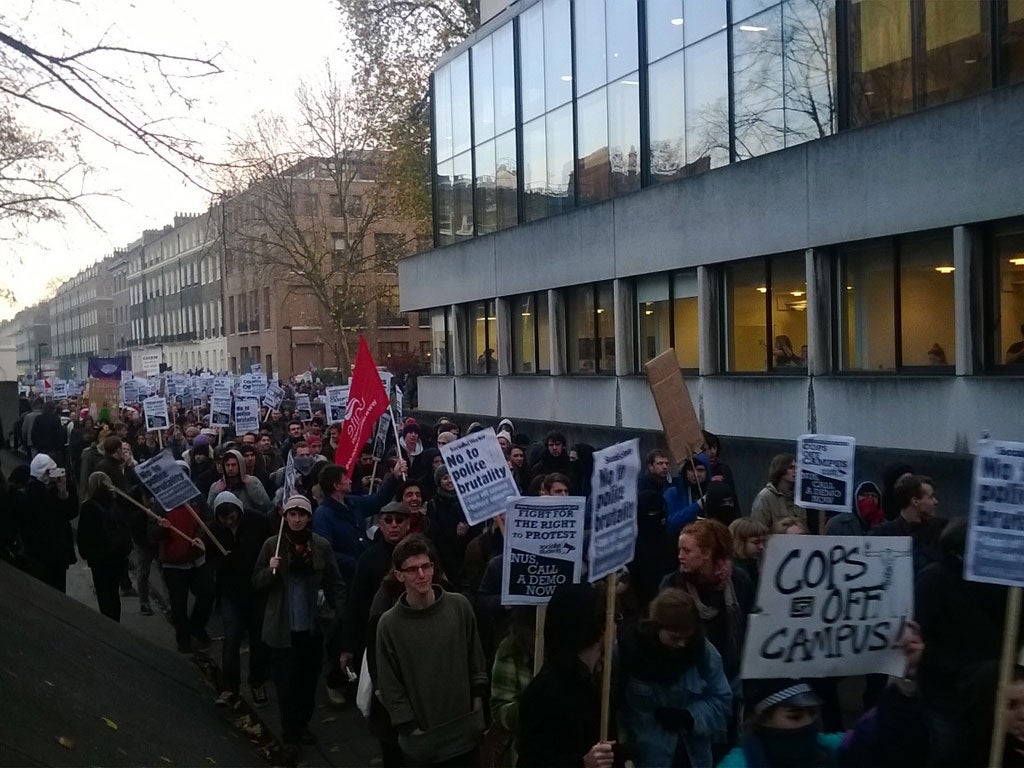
[247, 488]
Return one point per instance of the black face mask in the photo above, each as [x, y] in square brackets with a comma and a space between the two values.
[791, 747]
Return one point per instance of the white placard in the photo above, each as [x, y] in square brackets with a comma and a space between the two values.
[399, 404]
[247, 416]
[126, 376]
[337, 402]
[222, 385]
[273, 397]
[166, 480]
[155, 410]
[151, 363]
[824, 472]
[303, 408]
[220, 410]
[831, 606]
[613, 498]
[383, 434]
[480, 473]
[543, 547]
[996, 535]
[256, 368]
[60, 389]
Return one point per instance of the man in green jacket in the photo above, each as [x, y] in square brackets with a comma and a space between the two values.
[430, 666]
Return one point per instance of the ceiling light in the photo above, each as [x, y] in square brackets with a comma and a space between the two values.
[630, 82]
[945, 270]
[970, 61]
[750, 28]
[600, 310]
[566, 78]
[796, 293]
[648, 311]
[525, 314]
[1018, 262]
[849, 287]
[676, 22]
[762, 289]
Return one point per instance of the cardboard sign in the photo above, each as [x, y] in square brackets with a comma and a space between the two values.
[337, 403]
[831, 606]
[480, 473]
[272, 399]
[151, 363]
[824, 472]
[996, 533]
[380, 438]
[104, 392]
[220, 410]
[303, 408]
[543, 547]
[155, 410]
[675, 408]
[613, 526]
[247, 416]
[167, 481]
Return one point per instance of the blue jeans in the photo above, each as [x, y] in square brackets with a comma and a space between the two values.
[242, 618]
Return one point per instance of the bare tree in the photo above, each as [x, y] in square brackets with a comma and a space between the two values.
[317, 213]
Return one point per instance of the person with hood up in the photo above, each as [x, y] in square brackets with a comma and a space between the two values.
[720, 502]
[774, 502]
[655, 552]
[45, 511]
[105, 542]
[560, 710]
[248, 489]
[867, 513]
[686, 496]
[449, 529]
[242, 534]
[200, 467]
[675, 701]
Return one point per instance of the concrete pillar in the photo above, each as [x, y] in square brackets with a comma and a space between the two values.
[503, 348]
[709, 321]
[967, 294]
[624, 302]
[818, 265]
[556, 331]
[457, 326]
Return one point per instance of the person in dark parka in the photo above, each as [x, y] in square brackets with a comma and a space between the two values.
[45, 511]
[105, 541]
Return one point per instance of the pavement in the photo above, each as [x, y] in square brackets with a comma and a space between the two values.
[155, 684]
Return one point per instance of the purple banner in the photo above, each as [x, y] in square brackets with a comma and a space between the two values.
[107, 367]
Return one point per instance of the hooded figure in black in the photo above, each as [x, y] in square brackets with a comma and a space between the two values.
[655, 553]
[449, 529]
[720, 502]
[105, 541]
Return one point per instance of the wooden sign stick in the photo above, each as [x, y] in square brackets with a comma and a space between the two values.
[277, 549]
[206, 530]
[149, 512]
[1006, 664]
[609, 644]
[538, 639]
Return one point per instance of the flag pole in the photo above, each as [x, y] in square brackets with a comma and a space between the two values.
[398, 440]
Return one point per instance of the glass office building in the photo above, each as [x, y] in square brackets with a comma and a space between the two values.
[816, 203]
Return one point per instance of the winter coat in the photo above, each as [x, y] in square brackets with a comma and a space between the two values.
[445, 513]
[277, 614]
[653, 678]
[234, 570]
[44, 520]
[371, 569]
[173, 549]
[248, 489]
[772, 505]
[104, 530]
[749, 756]
[684, 500]
[343, 524]
[48, 435]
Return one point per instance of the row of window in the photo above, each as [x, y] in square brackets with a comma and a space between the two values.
[206, 320]
[249, 315]
[892, 304]
[577, 101]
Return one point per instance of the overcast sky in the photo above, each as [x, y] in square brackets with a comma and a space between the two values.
[265, 49]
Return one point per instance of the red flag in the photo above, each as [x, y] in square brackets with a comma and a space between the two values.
[367, 400]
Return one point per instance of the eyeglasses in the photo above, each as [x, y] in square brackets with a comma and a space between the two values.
[393, 519]
[414, 570]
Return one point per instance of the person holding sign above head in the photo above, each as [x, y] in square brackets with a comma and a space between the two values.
[775, 501]
[686, 496]
[560, 711]
[676, 700]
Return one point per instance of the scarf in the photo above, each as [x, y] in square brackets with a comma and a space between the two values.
[732, 610]
[299, 545]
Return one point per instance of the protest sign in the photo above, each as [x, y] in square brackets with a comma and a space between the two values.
[303, 408]
[243, 386]
[380, 439]
[220, 410]
[480, 473]
[543, 547]
[259, 385]
[385, 379]
[60, 389]
[131, 392]
[996, 534]
[151, 363]
[222, 385]
[256, 368]
[104, 392]
[197, 401]
[126, 376]
[824, 472]
[675, 408]
[399, 404]
[155, 410]
[337, 402]
[831, 606]
[613, 496]
[272, 399]
[247, 415]
[166, 480]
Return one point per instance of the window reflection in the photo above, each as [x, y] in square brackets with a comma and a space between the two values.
[482, 327]
[591, 69]
[746, 325]
[559, 160]
[443, 112]
[653, 317]
[462, 185]
[505, 181]
[927, 321]
[483, 90]
[504, 88]
[867, 305]
[438, 341]
[460, 104]
[486, 207]
[707, 104]
[622, 37]
[591, 328]
[664, 27]
[531, 60]
[445, 203]
[624, 134]
[956, 50]
[593, 165]
[667, 124]
[702, 18]
[757, 84]
[557, 53]
[1009, 309]
[808, 47]
[535, 172]
[880, 68]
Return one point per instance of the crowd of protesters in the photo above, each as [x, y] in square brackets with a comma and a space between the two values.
[375, 582]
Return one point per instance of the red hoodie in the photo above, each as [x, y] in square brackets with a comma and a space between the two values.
[174, 550]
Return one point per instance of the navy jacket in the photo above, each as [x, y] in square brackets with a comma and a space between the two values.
[343, 524]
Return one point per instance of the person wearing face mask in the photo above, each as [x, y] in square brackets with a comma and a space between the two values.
[45, 510]
[867, 513]
[784, 728]
[675, 698]
[105, 542]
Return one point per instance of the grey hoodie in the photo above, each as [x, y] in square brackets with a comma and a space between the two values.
[251, 494]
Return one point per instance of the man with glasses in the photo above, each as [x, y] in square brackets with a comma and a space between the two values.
[431, 673]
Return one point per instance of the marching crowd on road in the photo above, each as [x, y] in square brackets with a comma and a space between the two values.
[376, 582]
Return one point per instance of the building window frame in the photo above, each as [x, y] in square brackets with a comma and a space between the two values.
[490, 366]
[596, 339]
[540, 298]
[670, 278]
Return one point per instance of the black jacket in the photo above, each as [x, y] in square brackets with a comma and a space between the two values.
[371, 568]
[925, 537]
[559, 718]
[44, 521]
[445, 513]
[234, 570]
[48, 435]
[104, 530]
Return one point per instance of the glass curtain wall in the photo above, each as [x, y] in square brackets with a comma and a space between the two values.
[454, 166]
[494, 131]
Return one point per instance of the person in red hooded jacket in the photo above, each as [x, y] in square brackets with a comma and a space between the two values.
[184, 568]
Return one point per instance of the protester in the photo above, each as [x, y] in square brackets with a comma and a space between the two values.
[184, 568]
[686, 496]
[289, 572]
[675, 697]
[105, 542]
[44, 513]
[866, 514]
[449, 529]
[720, 471]
[775, 500]
[248, 489]
[511, 673]
[656, 474]
[916, 497]
[430, 665]
[748, 541]
[554, 457]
